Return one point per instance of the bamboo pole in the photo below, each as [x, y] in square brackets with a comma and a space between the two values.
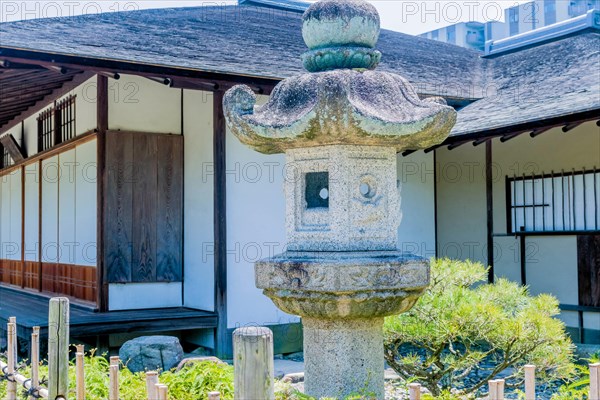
[529, 382]
[595, 381]
[113, 390]
[214, 396]
[414, 390]
[253, 363]
[26, 382]
[151, 382]
[35, 360]
[80, 373]
[163, 392]
[58, 347]
[11, 331]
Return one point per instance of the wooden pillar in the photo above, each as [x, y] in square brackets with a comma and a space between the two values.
[220, 223]
[489, 181]
[101, 127]
[23, 275]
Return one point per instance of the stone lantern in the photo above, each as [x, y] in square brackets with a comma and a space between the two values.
[341, 126]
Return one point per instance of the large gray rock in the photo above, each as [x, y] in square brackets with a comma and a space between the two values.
[151, 353]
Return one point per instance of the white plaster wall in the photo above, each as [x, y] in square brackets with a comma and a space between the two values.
[10, 216]
[139, 104]
[507, 258]
[50, 187]
[85, 204]
[416, 233]
[66, 208]
[462, 227]
[137, 296]
[15, 215]
[255, 230]
[4, 215]
[198, 200]
[32, 212]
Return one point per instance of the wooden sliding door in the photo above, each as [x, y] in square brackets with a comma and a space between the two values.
[143, 207]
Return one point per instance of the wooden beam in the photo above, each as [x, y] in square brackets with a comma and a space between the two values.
[570, 127]
[194, 85]
[51, 152]
[489, 195]
[164, 81]
[480, 141]
[122, 67]
[42, 103]
[101, 127]
[455, 145]
[539, 131]
[220, 223]
[508, 137]
[13, 65]
[13, 148]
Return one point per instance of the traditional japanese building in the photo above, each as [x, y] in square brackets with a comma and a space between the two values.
[122, 188]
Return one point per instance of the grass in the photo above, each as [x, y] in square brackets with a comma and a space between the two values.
[193, 382]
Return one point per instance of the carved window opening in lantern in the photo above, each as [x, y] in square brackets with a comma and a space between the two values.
[316, 190]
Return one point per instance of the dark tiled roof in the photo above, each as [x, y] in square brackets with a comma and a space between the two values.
[553, 79]
[245, 39]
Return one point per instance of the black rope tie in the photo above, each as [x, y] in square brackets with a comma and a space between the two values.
[6, 376]
[32, 391]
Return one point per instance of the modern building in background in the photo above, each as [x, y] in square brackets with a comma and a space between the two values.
[517, 20]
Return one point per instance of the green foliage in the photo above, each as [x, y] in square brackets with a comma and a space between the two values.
[579, 387]
[193, 382]
[462, 325]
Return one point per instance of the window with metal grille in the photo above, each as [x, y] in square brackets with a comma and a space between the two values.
[56, 124]
[45, 121]
[65, 118]
[564, 201]
[6, 159]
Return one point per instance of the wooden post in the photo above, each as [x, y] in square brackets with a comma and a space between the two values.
[500, 389]
[163, 392]
[11, 392]
[58, 348]
[529, 382]
[35, 360]
[113, 392]
[493, 389]
[414, 390]
[214, 396]
[253, 364]
[595, 381]
[80, 373]
[151, 382]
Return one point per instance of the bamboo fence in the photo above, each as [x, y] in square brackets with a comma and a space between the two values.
[249, 371]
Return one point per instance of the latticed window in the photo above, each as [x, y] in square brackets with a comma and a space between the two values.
[555, 201]
[45, 123]
[65, 118]
[56, 124]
